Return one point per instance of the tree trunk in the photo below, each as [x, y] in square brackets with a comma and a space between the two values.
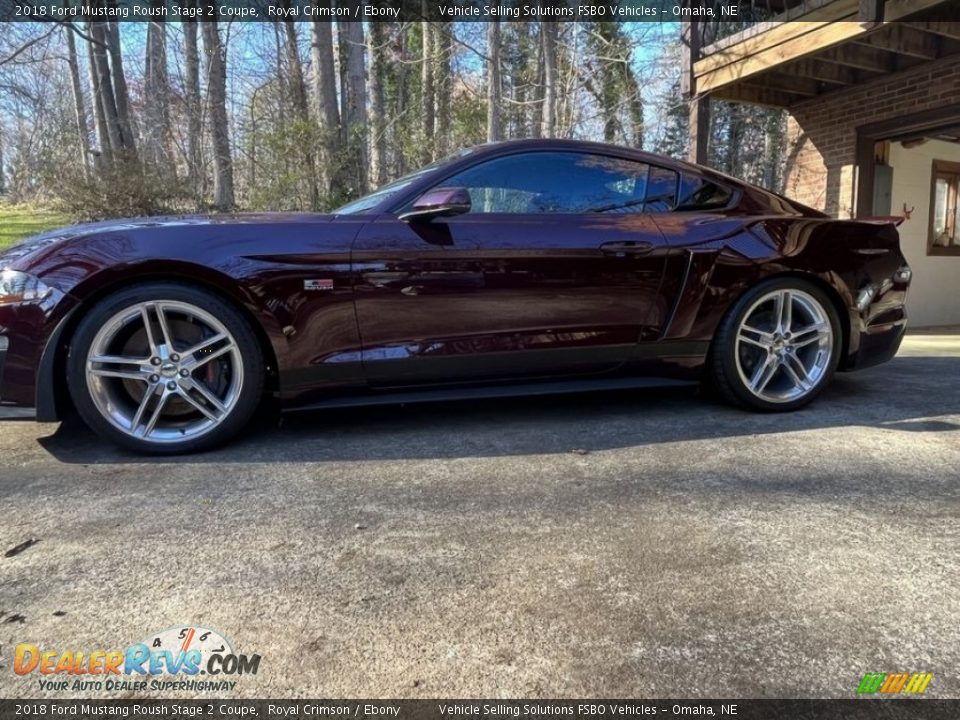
[156, 112]
[108, 126]
[426, 86]
[298, 93]
[79, 109]
[548, 118]
[402, 101]
[353, 108]
[442, 52]
[325, 95]
[120, 88]
[635, 107]
[378, 125]
[493, 81]
[103, 154]
[217, 116]
[3, 187]
[609, 85]
[195, 171]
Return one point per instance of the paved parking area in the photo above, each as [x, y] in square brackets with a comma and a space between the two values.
[641, 544]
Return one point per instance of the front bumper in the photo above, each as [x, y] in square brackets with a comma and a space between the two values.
[26, 330]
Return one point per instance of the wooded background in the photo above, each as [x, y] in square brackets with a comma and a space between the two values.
[105, 119]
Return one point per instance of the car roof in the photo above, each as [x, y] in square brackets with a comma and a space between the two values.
[505, 146]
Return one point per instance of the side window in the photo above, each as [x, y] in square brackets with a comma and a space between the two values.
[661, 190]
[565, 183]
[699, 194]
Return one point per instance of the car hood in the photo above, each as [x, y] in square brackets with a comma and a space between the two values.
[32, 244]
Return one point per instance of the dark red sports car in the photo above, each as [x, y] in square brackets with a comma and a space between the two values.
[516, 268]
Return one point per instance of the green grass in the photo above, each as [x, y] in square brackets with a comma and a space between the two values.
[20, 221]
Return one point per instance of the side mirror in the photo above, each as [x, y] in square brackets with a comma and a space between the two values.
[439, 202]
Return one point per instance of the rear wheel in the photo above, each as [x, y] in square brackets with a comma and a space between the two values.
[778, 347]
[165, 368]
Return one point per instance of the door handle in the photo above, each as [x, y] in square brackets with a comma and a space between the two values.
[629, 247]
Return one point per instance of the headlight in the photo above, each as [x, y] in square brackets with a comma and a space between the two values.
[19, 287]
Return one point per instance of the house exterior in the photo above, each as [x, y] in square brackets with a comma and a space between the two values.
[872, 89]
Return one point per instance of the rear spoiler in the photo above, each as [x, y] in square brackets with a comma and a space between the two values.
[883, 219]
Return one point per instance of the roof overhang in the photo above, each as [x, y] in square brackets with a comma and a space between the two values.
[807, 52]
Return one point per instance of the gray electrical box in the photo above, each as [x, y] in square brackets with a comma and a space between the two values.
[882, 189]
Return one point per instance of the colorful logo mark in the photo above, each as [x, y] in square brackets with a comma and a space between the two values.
[894, 683]
[181, 651]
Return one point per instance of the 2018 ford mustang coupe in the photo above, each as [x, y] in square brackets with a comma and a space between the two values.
[514, 268]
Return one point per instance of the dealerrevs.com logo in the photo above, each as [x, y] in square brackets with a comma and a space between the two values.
[187, 658]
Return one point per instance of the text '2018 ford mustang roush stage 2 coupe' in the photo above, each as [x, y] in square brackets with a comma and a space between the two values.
[514, 268]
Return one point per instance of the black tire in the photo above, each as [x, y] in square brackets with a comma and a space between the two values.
[247, 397]
[723, 372]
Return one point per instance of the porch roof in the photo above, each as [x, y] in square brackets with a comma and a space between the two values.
[809, 48]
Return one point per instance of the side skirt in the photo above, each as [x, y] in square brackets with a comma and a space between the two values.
[494, 391]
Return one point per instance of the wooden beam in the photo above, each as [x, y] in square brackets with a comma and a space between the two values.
[751, 46]
[787, 83]
[871, 11]
[808, 11]
[766, 96]
[858, 56]
[790, 41]
[823, 72]
[949, 30]
[699, 130]
[689, 54]
[817, 36]
[905, 40]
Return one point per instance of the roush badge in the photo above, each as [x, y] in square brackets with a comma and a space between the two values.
[318, 284]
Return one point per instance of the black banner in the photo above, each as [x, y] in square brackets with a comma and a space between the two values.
[712, 11]
[857, 709]
[375, 10]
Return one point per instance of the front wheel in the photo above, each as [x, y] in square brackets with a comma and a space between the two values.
[778, 346]
[165, 368]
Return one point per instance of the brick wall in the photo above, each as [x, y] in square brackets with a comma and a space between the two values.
[822, 135]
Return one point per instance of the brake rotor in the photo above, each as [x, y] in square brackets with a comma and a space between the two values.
[185, 334]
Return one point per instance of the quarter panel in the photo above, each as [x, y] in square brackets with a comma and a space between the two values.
[261, 265]
[718, 258]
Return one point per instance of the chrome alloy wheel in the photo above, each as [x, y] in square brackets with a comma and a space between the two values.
[164, 371]
[784, 345]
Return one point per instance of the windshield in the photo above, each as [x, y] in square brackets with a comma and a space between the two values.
[379, 195]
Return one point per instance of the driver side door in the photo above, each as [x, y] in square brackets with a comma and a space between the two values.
[554, 271]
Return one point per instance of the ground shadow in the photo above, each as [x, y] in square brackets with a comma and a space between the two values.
[905, 394]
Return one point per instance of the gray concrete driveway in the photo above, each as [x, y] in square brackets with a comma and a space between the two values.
[687, 548]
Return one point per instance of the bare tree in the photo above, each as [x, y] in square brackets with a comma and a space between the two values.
[402, 101]
[442, 80]
[80, 110]
[378, 142]
[22, 45]
[217, 116]
[353, 100]
[298, 94]
[426, 86]
[120, 87]
[108, 125]
[325, 95]
[493, 81]
[548, 117]
[194, 111]
[156, 111]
